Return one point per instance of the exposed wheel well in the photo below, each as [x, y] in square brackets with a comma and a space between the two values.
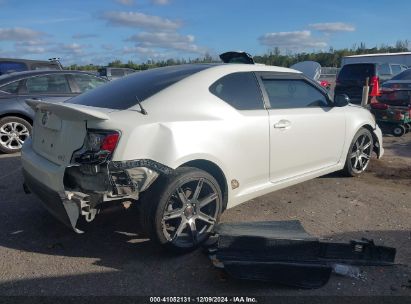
[215, 171]
[376, 147]
[17, 115]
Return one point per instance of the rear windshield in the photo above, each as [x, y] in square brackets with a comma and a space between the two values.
[356, 72]
[406, 75]
[10, 67]
[122, 94]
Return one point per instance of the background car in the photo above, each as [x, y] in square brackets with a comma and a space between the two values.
[312, 70]
[16, 117]
[397, 91]
[114, 73]
[192, 140]
[352, 78]
[11, 65]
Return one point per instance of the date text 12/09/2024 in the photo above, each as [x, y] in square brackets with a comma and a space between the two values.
[239, 299]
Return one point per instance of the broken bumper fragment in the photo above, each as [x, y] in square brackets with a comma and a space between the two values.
[284, 253]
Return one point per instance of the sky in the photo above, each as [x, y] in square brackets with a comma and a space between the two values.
[101, 31]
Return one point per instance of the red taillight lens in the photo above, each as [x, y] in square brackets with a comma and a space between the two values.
[379, 106]
[110, 142]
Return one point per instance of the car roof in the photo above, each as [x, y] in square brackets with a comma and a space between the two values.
[6, 78]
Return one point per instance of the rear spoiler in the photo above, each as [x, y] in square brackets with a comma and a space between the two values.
[67, 111]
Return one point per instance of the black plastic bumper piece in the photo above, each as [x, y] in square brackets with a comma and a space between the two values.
[284, 253]
[49, 198]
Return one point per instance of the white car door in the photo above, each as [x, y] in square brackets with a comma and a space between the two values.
[306, 133]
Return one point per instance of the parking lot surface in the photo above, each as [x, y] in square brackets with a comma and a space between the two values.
[40, 256]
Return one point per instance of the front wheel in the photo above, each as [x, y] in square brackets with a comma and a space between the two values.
[180, 210]
[359, 154]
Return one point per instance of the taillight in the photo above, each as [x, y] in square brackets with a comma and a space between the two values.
[379, 106]
[99, 147]
[110, 142]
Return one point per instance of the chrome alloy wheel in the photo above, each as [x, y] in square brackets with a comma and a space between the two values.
[13, 135]
[191, 213]
[361, 153]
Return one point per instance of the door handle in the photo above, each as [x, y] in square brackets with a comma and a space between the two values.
[282, 124]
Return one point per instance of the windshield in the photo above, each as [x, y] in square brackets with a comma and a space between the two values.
[406, 75]
[122, 94]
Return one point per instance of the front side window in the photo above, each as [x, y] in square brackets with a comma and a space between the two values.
[240, 90]
[48, 84]
[11, 88]
[87, 82]
[293, 93]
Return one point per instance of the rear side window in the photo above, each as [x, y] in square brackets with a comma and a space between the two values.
[240, 90]
[123, 93]
[11, 88]
[384, 69]
[10, 67]
[117, 72]
[356, 72]
[406, 75]
[48, 84]
[396, 68]
[87, 82]
[293, 93]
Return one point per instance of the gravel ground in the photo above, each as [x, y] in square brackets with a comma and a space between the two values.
[39, 256]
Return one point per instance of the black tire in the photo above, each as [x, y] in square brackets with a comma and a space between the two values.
[407, 127]
[398, 130]
[359, 153]
[13, 132]
[169, 209]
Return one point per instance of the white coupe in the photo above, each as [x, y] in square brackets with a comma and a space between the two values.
[187, 142]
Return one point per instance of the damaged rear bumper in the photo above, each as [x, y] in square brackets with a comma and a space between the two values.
[80, 190]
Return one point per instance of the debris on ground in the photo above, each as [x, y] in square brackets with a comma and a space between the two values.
[283, 252]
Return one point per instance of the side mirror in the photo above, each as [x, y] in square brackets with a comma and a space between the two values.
[341, 100]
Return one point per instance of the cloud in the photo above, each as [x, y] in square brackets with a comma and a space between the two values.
[291, 40]
[19, 34]
[161, 2]
[125, 2]
[165, 40]
[108, 47]
[31, 46]
[332, 27]
[84, 36]
[140, 20]
[32, 49]
[70, 49]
